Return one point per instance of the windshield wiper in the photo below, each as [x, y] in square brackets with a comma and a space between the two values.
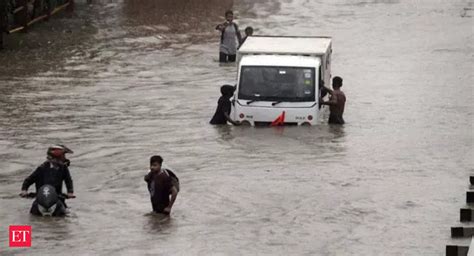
[255, 95]
[276, 102]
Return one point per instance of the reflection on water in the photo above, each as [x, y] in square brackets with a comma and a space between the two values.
[61, 226]
[365, 2]
[178, 16]
[163, 20]
[47, 45]
[257, 9]
[337, 130]
[157, 223]
[225, 132]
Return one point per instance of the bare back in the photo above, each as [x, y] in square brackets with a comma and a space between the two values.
[339, 98]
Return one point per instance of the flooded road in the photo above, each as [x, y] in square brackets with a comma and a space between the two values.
[117, 88]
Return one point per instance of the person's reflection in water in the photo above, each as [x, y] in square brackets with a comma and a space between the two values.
[54, 229]
[225, 132]
[337, 131]
[157, 222]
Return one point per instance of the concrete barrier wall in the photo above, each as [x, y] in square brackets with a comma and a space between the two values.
[465, 231]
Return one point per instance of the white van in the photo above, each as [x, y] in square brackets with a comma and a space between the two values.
[279, 79]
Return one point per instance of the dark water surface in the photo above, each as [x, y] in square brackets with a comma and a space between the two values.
[119, 81]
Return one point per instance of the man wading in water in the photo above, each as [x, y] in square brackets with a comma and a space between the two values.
[336, 102]
[161, 184]
[224, 107]
[230, 38]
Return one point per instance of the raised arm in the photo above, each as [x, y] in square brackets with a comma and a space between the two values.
[220, 27]
[332, 100]
[331, 92]
[147, 177]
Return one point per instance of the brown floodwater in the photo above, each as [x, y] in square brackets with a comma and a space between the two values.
[119, 81]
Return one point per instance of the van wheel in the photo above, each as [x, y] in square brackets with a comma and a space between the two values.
[245, 123]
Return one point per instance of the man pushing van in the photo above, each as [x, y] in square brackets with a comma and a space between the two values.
[336, 103]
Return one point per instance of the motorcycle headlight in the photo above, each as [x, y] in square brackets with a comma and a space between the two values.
[47, 211]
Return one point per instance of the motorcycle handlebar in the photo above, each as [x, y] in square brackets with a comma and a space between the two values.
[33, 195]
[29, 195]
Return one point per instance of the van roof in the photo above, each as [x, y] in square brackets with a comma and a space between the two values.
[280, 61]
[308, 45]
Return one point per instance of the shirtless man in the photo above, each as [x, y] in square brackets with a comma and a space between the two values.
[336, 102]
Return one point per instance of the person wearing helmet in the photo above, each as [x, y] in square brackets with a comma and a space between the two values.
[224, 106]
[54, 171]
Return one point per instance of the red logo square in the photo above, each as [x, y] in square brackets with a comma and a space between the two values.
[20, 236]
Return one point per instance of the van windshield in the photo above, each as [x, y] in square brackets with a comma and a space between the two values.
[291, 84]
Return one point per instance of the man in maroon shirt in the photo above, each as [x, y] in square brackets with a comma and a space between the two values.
[161, 184]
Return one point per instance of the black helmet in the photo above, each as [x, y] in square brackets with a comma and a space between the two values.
[58, 152]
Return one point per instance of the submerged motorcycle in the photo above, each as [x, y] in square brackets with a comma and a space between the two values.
[48, 202]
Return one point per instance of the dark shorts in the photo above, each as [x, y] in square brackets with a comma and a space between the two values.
[335, 119]
[226, 57]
